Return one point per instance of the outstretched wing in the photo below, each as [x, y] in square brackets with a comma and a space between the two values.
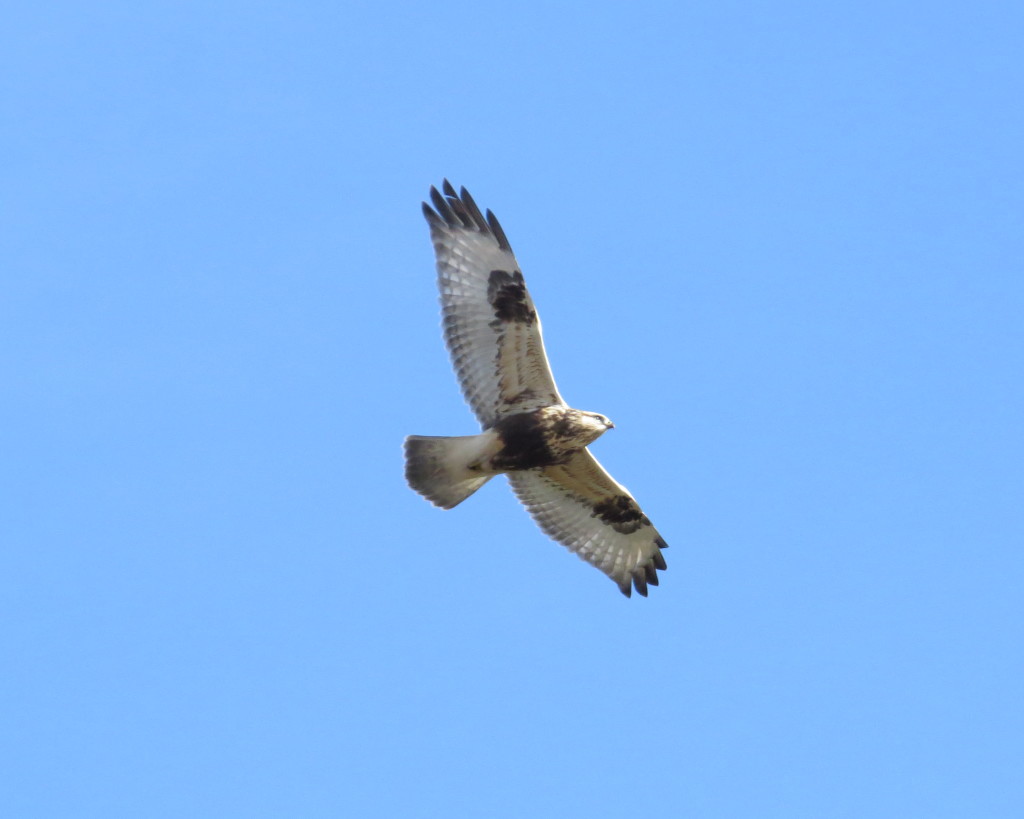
[490, 324]
[582, 507]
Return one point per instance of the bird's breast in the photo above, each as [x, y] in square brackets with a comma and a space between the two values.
[539, 438]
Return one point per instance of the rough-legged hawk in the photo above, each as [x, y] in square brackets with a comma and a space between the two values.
[492, 331]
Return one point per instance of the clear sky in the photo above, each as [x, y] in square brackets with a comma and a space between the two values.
[780, 245]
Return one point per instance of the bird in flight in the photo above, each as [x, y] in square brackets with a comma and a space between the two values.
[530, 434]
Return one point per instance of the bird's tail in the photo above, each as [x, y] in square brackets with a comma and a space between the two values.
[438, 468]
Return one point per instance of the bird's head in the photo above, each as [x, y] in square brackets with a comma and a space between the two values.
[598, 422]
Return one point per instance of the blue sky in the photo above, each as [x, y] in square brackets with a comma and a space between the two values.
[780, 245]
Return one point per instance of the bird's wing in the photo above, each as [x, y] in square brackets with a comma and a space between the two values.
[490, 324]
[582, 507]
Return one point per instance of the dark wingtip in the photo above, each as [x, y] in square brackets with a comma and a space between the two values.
[441, 206]
[459, 210]
[626, 587]
[431, 215]
[499, 234]
[640, 581]
[474, 211]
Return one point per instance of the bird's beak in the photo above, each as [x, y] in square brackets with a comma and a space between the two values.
[611, 425]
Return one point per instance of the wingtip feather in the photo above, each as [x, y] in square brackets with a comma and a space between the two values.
[474, 211]
[499, 234]
[431, 215]
[459, 209]
[441, 206]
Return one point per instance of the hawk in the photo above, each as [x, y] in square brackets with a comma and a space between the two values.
[530, 434]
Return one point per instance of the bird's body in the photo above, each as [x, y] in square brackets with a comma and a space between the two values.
[493, 333]
[545, 437]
